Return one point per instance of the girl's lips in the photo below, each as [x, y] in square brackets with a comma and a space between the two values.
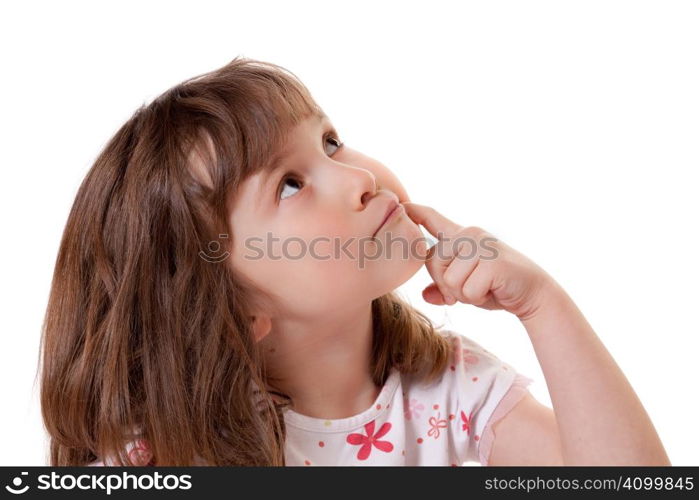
[389, 216]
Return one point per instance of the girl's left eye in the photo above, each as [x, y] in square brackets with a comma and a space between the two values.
[292, 178]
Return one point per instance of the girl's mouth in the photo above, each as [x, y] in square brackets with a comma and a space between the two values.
[397, 208]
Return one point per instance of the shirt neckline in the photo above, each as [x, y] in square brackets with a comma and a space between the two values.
[384, 398]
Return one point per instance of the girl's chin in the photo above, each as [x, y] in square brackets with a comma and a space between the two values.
[411, 242]
[398, 271]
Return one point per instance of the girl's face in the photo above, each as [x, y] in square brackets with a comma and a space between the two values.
[304, 232]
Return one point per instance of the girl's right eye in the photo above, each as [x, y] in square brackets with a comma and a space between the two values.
[294, 179]
[284, 182]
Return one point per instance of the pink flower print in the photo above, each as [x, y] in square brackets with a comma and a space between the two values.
[140, 454]
[413, 408]
[371, 439]
[466, 355]
[467, 421]
[435, 424]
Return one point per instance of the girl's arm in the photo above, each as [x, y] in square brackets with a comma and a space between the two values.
[597, 419]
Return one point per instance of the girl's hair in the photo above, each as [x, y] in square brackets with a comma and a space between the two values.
[144, 338]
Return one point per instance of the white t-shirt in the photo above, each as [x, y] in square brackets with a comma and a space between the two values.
[411, 423]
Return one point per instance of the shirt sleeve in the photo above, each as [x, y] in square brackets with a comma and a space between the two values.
[487, 388]
[137, 450]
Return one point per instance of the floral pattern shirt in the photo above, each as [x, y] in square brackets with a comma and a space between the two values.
[411, 423]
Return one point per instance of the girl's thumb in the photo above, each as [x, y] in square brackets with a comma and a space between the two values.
[432, 295]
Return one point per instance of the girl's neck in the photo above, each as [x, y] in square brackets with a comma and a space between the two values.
[324, 367]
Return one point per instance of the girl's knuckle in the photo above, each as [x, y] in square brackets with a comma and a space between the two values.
[450, 280]
[468, 292]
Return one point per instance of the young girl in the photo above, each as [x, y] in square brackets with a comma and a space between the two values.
[224, 295]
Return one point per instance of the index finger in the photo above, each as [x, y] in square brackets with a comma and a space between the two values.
[432, 220]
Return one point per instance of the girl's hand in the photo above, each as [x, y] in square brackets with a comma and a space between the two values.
[470, 265]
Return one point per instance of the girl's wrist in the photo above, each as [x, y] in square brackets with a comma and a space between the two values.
[551, 300]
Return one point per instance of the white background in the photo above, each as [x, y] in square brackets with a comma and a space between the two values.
[567, 129]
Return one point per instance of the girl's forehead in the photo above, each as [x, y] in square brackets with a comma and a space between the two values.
[280, 157]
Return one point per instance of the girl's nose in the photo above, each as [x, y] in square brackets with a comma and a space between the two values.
[364, 187]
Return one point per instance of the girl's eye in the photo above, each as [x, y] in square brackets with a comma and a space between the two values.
[338, 142]
[293, 179]
[288, 179]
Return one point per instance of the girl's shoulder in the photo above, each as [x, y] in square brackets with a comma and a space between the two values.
[462, 345]
[483, 388]
[474, 379]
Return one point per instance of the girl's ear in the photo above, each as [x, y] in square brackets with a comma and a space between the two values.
[261, 326]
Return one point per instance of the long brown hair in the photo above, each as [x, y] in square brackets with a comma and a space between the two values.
[142, 333]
